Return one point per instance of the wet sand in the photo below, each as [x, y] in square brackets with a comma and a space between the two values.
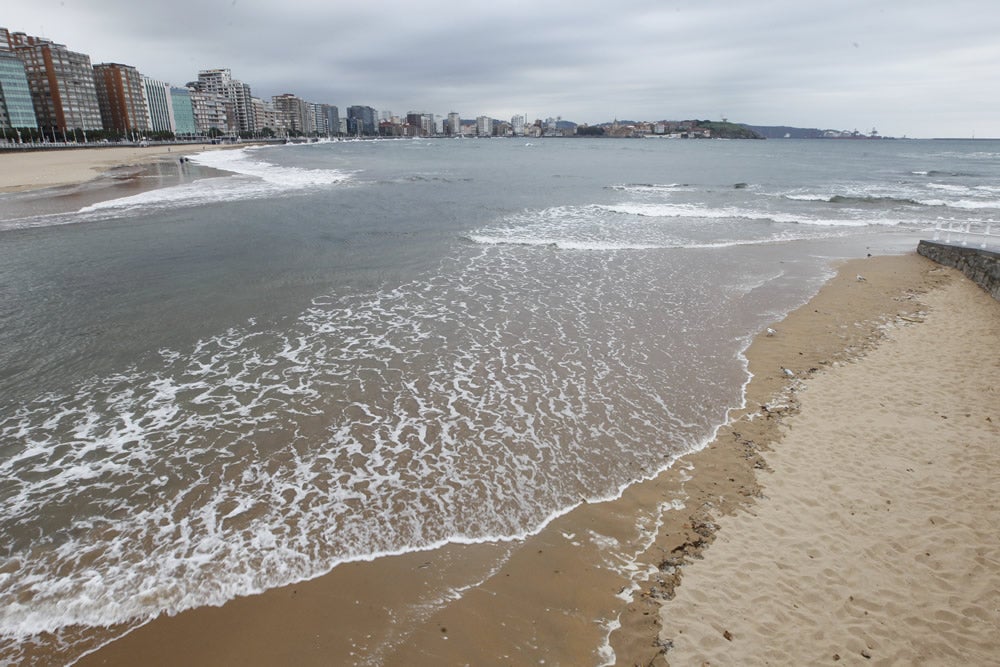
[595, 585]
[27, 170]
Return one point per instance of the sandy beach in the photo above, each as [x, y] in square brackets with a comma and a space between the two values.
[846, 512]
[35, 169]
[875, 540]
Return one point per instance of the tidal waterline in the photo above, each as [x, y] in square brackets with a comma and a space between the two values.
[359, 348]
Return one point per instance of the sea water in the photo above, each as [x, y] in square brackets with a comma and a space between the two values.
[343, 350]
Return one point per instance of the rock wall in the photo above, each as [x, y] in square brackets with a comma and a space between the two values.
[981, 266]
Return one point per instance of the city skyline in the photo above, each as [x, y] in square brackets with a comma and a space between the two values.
[927, 71]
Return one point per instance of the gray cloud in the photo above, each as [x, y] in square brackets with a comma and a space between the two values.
[906, 66]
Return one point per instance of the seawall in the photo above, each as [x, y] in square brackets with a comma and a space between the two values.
[980, 266]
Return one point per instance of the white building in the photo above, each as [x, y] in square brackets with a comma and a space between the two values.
[321, 120]
[293, 114]
[236, 93]
[264, 116]
[210, 112]
[158, 104]
[484, 126]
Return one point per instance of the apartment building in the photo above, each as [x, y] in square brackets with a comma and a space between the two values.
[121, 97]
[157, 96]
[236, 93]
[61, 83]
[292, 113]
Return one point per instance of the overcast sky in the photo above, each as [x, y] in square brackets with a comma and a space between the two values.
[920, 68]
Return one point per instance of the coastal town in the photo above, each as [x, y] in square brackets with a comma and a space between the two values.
[52, 95]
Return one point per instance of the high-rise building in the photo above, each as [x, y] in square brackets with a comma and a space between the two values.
[415, 124]
[265, 117]
[157, 96]
[454, 126]
[361, 121]
[317, 119]
[517, 124]
[243, 104]
[327, 119]
[484, 126]
[182, 122]
[16, 108]
[121, 97]
[212, 112]
[332, 118]
[292, 113]
[236, 93]
[61, 83]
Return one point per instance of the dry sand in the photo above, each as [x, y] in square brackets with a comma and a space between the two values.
[35, 169]
[878, 537]
[550, 598]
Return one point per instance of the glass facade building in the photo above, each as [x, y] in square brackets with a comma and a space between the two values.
[361, 121]
[16, 107]
[182, 112]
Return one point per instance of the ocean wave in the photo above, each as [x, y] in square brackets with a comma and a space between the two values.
[562, 244]
[671, 210]
[370, 425]
[807, 197]
[730, 213]
[251, 179]
[676, 245]
[241, 161]
[944, 173]
[855, 200]
[964, 204]
[948, 186]
[653, 188]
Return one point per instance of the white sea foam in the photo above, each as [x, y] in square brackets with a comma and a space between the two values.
[674, 211]
[562, 244]
[373, 425]
[242, 161]
[252, 179]
[650, 188]
[808, 197]
[948, 186]
[639, 226]
[966, 204]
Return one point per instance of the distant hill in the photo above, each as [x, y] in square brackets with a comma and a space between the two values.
[786, 132]
[725, 130]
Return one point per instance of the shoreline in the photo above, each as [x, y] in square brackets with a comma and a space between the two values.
[30, 171]
[40, 183]
[555, 595]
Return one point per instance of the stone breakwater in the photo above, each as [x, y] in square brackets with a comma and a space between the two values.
[980, 266]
